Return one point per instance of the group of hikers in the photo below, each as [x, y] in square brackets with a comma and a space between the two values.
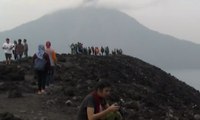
[94, 106]
[78, 48]
[44, 60]
[17, 49]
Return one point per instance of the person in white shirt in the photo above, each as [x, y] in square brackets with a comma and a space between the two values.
[8, 47]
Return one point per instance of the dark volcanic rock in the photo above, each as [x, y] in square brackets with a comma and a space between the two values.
[147, 91]
[11, 72]
[8, 116]
[15, 93]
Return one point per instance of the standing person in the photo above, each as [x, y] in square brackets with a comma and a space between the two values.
[41, 65]
[107, 51]
[89, 51]
[14, 50]
[8, 47]
[19, 49]
[72, 46]
[95, 107]
[53, 59]
[96, 51]
[25, 48]
[102, 50]
[92, 48]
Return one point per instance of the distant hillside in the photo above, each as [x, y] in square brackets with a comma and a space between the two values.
[101, 27]
[148, 92]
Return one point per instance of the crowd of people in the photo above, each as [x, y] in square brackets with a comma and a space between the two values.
[78, 48]
[18, 49]
[94, 106]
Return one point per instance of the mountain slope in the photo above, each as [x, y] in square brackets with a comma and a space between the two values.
[102, 27]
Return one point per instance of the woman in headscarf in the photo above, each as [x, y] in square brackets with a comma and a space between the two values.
[41, 73]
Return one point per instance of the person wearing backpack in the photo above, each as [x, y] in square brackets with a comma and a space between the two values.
[41, 64]
[95, 106]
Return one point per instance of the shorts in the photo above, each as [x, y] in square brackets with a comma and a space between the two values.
[8, 55]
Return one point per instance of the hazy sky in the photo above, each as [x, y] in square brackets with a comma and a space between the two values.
[180, 18]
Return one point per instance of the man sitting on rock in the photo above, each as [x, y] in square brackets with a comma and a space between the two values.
[95, 107]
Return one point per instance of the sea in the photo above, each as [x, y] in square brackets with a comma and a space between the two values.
[189, 76]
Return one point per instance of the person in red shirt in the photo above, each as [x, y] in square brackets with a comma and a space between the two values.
[95, 106]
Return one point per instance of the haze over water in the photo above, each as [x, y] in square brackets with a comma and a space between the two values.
[189, 76]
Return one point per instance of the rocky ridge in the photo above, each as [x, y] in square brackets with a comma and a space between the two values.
[148, 92]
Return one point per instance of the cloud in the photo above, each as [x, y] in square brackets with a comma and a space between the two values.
[22, 11]
[152, 13]
[121, 4]
[89, 2]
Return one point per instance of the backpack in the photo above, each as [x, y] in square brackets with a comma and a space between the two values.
[39, 64]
